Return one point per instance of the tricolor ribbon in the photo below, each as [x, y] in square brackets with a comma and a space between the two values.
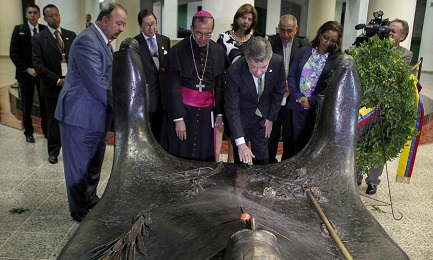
[366, 114]
[408, 154]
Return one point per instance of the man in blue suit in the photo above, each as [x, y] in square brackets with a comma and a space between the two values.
[84, 108]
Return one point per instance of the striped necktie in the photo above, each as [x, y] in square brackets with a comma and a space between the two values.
[59, 40]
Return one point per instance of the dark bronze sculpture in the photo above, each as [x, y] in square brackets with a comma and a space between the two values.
[157, 206]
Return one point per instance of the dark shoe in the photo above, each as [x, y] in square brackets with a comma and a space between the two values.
[78, 216]
[359, 181]
[371, 189]
[94, 202]
[52, 159]
[30, 139]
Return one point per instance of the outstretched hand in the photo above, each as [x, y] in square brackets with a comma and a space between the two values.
[245, 154]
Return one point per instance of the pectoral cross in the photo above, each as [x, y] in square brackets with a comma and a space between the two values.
[200, 86]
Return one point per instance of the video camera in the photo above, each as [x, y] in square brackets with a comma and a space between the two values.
[377, 25]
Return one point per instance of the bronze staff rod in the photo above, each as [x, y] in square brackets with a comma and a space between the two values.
[329, 226]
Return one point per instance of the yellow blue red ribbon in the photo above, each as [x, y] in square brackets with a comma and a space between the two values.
[408, 154]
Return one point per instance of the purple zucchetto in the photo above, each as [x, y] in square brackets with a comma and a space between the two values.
[203, 13]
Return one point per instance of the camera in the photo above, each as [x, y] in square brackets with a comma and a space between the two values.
[376, 26]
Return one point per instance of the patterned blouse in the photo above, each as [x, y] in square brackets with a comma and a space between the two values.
[311, 72]
[234, 49]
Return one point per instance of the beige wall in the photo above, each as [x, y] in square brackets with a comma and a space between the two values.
[10, 15]
[319, 12]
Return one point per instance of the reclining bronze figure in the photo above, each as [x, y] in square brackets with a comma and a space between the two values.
[157, 206]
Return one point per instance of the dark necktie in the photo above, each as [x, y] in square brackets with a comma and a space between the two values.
[35, 31]
[110, 47]
[261, 87]
[59, 40]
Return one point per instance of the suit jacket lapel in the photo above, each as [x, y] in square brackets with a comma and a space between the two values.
[66, 41]
[249, 81]
[145, 50]
[295, 48]
[279, 46]
[26, 30]
[101, 40]
[51, 40]
[160, 48]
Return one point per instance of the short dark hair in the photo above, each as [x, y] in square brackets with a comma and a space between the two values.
[405, 26]
[49, 6]
[245, 9]
[333, 26]
[202, 20]
[143, 13]
[33, 6]
[108, 9]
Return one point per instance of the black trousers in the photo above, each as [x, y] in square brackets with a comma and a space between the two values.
[282, 127]
[156, 123]
[54, 140]
[27, 93]
[303, 125]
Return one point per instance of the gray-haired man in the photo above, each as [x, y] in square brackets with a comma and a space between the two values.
[254, 89]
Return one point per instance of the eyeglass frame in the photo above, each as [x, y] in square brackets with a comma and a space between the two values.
[202, 35]
[328, 39]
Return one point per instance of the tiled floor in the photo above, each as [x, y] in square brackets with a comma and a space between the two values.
[29, 182]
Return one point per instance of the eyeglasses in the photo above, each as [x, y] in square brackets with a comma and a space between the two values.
[152, 24]
[328, 39]
[202, 35]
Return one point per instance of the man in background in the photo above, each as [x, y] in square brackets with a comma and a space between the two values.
[287, 44]
[88, 20]
[84, 109]
[153, 47]
[50, 55]
[399, 31]
[20, 53]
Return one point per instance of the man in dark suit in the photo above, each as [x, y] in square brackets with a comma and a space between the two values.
[85, 106]
[20, 53]
[254, 89]
[153, 47]
[50, 54]
[287, 45]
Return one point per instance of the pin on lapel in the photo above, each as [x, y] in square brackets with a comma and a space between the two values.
[67, 38]
[270, 70]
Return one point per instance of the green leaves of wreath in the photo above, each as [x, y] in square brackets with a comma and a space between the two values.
[384, 79]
